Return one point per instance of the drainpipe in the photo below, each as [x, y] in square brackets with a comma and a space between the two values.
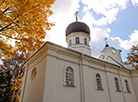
[81, 80]
[123, 92]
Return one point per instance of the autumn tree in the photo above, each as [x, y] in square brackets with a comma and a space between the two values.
[24, 22]
[133, 56]
[11, 75]
[5, 86]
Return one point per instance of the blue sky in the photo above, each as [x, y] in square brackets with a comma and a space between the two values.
[116, 20]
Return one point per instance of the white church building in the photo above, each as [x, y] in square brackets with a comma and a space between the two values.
[58, 74]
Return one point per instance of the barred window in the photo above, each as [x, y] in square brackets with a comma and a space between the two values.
[117, 84]
[127, 86]
[69, 77]
[77, 40]
[99, 82]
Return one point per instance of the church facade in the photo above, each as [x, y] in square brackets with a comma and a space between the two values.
[57, 74]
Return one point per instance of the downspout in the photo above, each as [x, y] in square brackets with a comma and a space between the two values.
[123, 92]
[81, 79]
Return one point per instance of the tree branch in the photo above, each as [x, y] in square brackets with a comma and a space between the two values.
[5, 27]
[8, 25]
[13, 38]
[6, 10]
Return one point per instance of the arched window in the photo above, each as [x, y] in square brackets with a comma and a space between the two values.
[127, 86]
[99, 82]
[69, 42]
[77, 40]
[69, 77]
[117, 84]
[85, 41]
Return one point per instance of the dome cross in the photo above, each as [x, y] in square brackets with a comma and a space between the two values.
[76, 14]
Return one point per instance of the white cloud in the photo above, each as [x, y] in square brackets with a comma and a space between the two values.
[107, 8]
[88, 19]
[102, 6]
[95, 51]
[64, 11]
[116, 41]
[98, 35]
[125, 44]
[134, 37]
[135, 2]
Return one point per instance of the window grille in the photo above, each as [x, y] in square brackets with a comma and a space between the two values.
[77, 40]
[98, 81]
[69, 77]
[117, 84]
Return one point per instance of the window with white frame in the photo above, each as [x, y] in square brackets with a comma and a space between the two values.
[117, 85]
[127, 86]
[99, 82]
[69, 76]
[77, 40]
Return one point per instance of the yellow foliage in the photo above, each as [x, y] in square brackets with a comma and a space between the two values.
[6, 50]
[17, 87]
[25, 21]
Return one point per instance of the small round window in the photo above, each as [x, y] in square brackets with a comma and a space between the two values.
[34, 72]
